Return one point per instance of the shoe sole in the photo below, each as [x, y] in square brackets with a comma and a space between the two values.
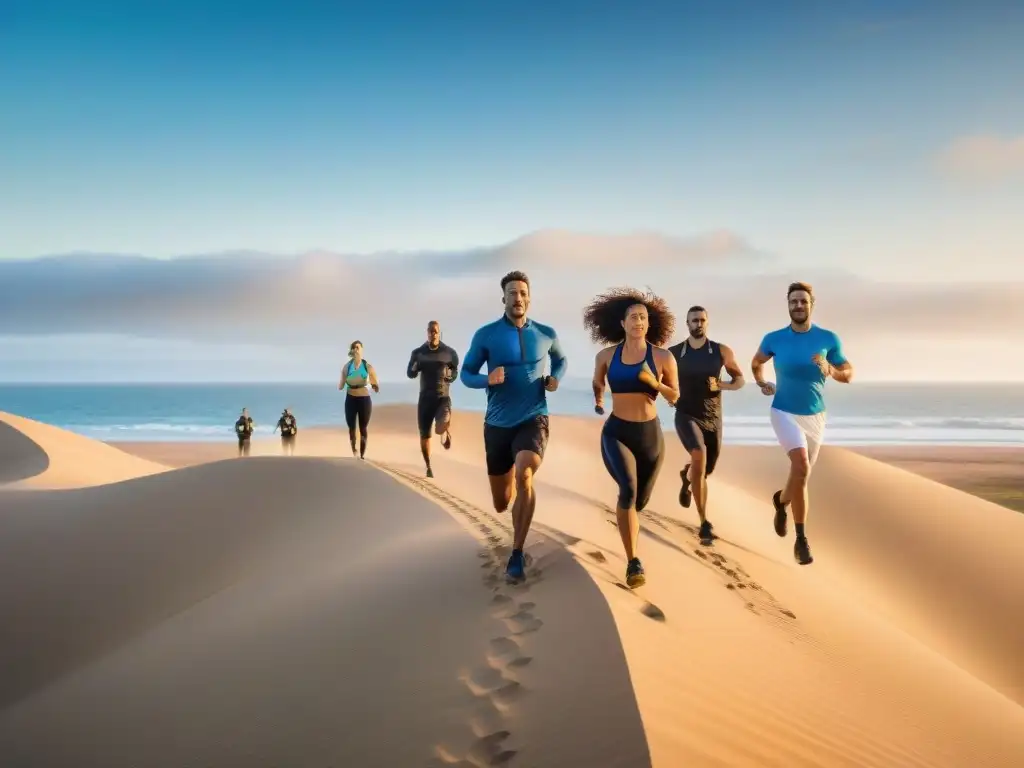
[781, 527]
[685, 497]
[636, 580]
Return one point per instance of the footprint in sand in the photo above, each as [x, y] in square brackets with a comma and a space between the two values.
[523, 623]
[648, 609]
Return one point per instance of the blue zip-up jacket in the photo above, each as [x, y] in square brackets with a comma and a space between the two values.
[522, 352]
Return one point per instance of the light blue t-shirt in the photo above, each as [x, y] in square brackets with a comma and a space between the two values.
[799, 383]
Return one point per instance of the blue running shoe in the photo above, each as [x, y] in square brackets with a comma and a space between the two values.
[515, 570]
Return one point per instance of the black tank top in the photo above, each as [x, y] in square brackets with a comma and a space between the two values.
[698, 368]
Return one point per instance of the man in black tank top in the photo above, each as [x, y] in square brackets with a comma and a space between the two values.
[437, 365]
[698, 416]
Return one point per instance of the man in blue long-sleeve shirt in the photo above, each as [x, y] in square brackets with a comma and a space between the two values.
[515, 350]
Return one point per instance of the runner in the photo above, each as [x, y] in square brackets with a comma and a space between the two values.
[804, 356]
[289, 428]
[355, 375]
[437, 365]
[638, 369]
[515, 349]
[698, 417]
[244, 428]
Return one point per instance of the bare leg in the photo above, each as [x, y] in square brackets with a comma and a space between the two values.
[441, 428]
[629, 529]
[698, 482]
[527, 463]
[795, 492]
[501, 490]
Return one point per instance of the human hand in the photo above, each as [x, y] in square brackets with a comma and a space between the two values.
[550, 383]
[767, 388]
[823, 365]
[599, 409]
[648, 377]
[713, 384]
[375, 387]
[497, 376]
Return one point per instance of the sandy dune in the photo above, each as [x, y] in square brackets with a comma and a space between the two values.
[322, 611]
[34, 455]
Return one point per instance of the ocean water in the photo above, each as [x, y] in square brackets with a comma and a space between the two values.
[859, 414]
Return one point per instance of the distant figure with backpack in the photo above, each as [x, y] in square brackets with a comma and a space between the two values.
[289, 428]
[244, 428]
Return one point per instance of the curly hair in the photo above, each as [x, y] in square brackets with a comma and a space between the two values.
[604, 315]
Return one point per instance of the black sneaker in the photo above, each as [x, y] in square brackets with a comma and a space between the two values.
[802, 551]
[430, 472]
[446, 441]
[635, 574]
[780, 514]
[706, 534]
[684, 493]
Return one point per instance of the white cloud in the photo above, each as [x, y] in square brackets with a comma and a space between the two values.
[984, 158]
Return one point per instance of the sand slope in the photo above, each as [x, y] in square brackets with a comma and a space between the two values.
[34, 455]
[324, 611]
[271, 612]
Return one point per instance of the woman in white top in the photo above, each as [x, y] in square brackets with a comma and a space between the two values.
[356, 374]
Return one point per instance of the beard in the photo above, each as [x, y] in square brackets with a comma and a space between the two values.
[697, 333]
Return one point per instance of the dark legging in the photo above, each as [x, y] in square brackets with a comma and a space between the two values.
[358, 408]
[632, 453]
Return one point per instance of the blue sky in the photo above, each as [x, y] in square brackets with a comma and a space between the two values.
[818, 132]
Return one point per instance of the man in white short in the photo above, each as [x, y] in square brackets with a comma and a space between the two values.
[804, 356]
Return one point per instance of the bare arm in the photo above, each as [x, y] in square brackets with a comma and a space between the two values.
[733, 369]
[600, 372]
[757, 367]
[373, 377]
[841, 368]
[669, 384]
[843, 373]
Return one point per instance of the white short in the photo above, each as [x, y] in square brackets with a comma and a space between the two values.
[799, 431]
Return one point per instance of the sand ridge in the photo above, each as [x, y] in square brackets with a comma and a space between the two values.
[34, 455]
[303, 610]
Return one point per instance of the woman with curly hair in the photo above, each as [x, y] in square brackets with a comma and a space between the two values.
[356, 374]
[636, 326]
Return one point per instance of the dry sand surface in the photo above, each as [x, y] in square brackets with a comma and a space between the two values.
[321, 611]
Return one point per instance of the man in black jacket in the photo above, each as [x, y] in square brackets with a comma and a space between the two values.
[437, 366]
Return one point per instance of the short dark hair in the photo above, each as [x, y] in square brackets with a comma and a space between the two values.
[433, 322]
[696, 308]
[799, 286]
[603, 316]
[515, 276]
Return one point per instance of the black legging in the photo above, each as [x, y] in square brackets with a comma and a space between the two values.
[361, 408]
[632, 453]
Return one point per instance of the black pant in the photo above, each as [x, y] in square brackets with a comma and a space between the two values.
[243, 446]
[431, 411]
[288, 444]
[502, 444]
[358, 409]
[632, 453]
[696, 436]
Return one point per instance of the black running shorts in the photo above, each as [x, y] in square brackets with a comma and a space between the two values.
[501, 444]
[430, 411]
[696, 437]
